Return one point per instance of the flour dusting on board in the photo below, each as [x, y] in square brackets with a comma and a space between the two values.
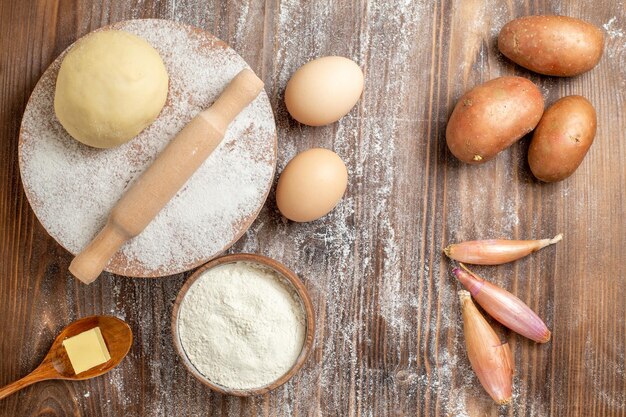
[612, 28]
[613, 361]
[74, 187]
[369, 275]
[380, 258]
[615, 46]
[387, 280]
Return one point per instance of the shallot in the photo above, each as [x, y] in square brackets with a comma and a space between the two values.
[504, 306]
[490, 358]
[496, 251]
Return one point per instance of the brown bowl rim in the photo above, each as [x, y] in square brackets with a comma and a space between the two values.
[285, 273]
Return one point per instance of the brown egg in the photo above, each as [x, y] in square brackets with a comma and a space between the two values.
[324, 90]
[311, 185]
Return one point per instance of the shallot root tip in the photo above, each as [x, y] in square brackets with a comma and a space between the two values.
[456, 270]
[546, 339]
[464, 295]
[548, 242]
[556, 239]
[505, 401]
[446, 250]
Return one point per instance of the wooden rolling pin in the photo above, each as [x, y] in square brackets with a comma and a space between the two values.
[169, 172]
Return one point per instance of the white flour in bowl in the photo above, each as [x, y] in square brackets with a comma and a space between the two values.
[241, 326]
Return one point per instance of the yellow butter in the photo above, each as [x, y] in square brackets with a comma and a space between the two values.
[86, 350]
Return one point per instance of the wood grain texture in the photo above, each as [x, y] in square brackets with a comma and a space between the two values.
[389, 338]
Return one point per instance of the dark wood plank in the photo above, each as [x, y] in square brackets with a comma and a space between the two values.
[389, 338]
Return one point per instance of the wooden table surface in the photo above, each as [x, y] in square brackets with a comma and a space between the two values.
[389, 339]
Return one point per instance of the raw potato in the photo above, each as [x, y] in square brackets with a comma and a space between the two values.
[491, 117]
[552, 45]
[562, 139]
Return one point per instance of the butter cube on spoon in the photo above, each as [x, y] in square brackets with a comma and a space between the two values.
[86, 350]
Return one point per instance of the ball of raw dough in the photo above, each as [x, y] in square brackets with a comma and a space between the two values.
[111, 85]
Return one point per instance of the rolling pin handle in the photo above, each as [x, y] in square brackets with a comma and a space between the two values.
[90, 263]
[236, 96]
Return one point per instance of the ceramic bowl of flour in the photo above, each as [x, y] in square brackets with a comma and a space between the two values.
[243, 324]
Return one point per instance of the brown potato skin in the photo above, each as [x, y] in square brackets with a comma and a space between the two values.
[552, 45]
[562, 139]
[491, 117]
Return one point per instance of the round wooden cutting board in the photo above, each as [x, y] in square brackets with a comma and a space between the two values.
[72, 187]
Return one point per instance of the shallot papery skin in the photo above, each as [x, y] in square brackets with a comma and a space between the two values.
[504, 306]
[496, 251]
[490, 358]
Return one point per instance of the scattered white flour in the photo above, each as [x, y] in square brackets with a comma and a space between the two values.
[615, 48]
[72, 187]
[614, 31]
[241, 326]
[388, 343]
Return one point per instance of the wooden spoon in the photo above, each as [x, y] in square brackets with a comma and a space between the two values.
[56, 365]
